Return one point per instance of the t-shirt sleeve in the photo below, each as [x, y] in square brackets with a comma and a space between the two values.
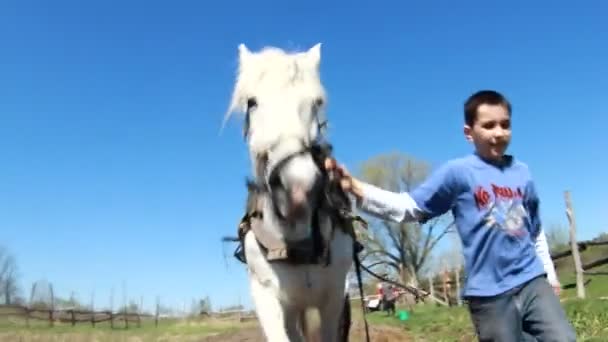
[388, 205]
[532, 204]
[438, 193]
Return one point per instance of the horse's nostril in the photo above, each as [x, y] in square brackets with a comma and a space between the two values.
[298, 195]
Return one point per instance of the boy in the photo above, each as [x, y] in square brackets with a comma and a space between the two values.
[495, 205]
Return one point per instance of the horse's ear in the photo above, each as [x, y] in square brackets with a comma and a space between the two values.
[315, 51]
[313, 55]
[244, 53]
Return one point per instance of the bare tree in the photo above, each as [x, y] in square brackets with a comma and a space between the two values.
[450, 258]
[70, 303]
[400, 248]
[601, 237]
[131, 307]
[41, 295]
[557, 237]
[9, 289]
[205, 305]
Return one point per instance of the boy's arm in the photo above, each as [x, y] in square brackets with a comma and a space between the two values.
[540, 238]
[542, 250]
[388, 205]
[432, 198]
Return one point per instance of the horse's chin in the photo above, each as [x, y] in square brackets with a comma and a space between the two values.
[297, 214]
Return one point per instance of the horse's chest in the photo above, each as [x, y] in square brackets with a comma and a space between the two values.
[310, 284]
[303, 282]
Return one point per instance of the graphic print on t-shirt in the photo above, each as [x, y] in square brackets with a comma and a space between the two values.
[504, 209]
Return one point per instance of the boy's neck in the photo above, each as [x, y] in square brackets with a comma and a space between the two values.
[502, 161]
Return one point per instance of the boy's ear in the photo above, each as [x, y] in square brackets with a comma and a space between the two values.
[468, 131]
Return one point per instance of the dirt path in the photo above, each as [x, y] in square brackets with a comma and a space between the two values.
[247, 334]
[377, 334]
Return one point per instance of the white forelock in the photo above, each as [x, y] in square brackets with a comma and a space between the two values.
[285, 86]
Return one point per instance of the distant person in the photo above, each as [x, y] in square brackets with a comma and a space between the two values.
[510, 274]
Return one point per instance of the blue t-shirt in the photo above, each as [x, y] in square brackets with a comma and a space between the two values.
[496, 213]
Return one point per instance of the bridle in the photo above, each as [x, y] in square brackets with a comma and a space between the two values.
[268, 178]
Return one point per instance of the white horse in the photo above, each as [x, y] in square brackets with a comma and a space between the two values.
[283, 100]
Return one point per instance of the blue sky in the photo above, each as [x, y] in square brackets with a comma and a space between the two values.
[113, 167]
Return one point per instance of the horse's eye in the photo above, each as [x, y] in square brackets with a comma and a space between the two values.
[251, 103]
[318, 103]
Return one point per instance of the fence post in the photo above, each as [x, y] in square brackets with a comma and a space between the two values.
[28, 305]
[458, 300]
[52, 323]
[157, 312]
[446, 287]
[93, 309]
[580, 284]
[112, 307]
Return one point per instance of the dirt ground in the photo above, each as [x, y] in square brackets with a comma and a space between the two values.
[377, 334]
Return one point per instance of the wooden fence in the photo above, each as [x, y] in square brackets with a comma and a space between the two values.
[73, 316]
[117, 320]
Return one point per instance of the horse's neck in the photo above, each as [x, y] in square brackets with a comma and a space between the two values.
[298, 231]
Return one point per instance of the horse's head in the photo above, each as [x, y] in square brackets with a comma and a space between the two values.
[283, 100]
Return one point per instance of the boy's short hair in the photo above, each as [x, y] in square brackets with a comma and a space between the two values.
[481, 97]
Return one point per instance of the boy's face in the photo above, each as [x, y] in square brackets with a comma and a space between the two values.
[491, 132]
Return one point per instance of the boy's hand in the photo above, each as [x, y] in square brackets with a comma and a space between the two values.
[347, 182]
[557, 288]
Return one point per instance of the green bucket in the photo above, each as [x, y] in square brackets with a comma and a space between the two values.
[403, 315]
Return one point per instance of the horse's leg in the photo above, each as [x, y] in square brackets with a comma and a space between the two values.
[271, 314]
[293, 324]
[270, 311]
[345, 321]
[307, 332]
[330, 317]
[331, 310]
[311, 333]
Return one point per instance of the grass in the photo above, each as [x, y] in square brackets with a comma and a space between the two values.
[590, 318]
[168, 330]
[429, 323]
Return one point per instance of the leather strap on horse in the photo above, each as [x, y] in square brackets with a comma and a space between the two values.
[311, 250]
[360, 281]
